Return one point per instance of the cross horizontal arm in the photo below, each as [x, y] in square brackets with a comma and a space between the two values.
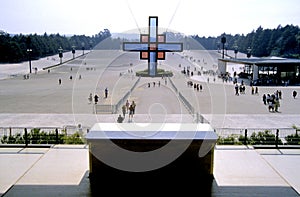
[135, 46]
[170, 47]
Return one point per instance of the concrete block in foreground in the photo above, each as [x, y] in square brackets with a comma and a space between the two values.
[156, 155]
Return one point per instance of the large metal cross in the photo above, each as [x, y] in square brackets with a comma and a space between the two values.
[152, 46]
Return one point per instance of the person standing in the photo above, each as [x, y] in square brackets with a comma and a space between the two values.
[106, 92]
[127, 106]
[133, 106]
[90, 98]
[96, 99]
[124, 110]
[131, 112]
[276, 104]
[294, 94]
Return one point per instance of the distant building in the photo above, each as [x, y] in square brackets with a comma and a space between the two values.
[267, 71]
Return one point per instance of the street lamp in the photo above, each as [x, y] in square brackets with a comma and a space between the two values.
[29, 58]
[60, 54]
[248, 52]
[82, 44]
[73, 51]
[91, 44]
[236, 50]
[223, 40]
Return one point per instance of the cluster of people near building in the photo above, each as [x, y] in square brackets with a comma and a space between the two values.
[241, 89]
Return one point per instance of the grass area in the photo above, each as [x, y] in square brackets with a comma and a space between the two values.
[160, 73]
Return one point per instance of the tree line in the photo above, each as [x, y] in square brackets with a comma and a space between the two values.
[13, 49]
[281, 42]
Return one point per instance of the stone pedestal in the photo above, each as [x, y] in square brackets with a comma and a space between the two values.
[159, 156]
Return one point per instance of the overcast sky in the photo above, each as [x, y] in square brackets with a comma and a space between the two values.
[191, 17]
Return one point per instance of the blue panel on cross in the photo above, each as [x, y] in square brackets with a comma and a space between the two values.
[170, 47]
[135, 47]
[152, 46]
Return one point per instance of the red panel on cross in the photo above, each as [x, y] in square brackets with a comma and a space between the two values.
[161, 38]
[161, 55]
[144, 54]
[152, 47]
[144, 38]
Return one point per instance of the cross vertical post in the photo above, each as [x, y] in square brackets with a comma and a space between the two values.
[152, 46]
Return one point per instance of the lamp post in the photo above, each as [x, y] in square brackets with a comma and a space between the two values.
[248, 52]
[29, 58]
[235, 51]
[82, 44]
[73, 51]
[91, 45]
[60, 54]
[223, 40]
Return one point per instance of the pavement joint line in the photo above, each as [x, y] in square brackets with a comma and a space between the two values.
[25, 172]
[273, 168]
[20, 150]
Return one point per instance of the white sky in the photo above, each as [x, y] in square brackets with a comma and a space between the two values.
[191, 17]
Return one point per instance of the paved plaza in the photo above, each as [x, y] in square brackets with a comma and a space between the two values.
[63, 171]
[41, 101]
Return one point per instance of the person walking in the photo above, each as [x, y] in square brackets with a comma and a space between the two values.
[236, 89]
[256, 90]
[294, 94]
[264, 98]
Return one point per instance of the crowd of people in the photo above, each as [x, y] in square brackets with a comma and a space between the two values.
[127, 108]
[272, 100]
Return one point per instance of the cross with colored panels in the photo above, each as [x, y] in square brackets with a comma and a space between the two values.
[152, 46]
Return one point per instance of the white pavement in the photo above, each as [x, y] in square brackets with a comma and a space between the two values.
[63, 171]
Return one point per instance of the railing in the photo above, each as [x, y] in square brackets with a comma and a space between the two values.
[186, 103]
[258, 138]
[198, 117]
[124, 98]
[44, 135]
[173, 85]
[113, 109]
[283, 137]
[104, 109]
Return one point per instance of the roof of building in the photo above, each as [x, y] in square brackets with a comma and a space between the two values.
[262, 61]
